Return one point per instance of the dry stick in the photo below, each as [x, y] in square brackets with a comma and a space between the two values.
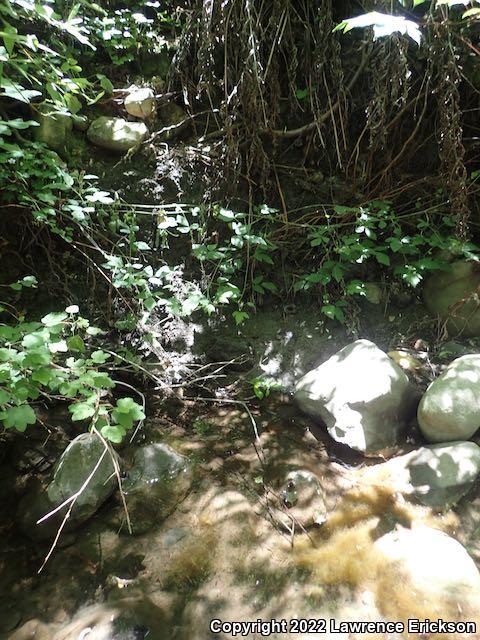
[174, 127]
[72, 501]
[311, 126]
[119, 480]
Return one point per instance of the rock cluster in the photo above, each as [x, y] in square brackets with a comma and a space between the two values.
[365, 400]
[110, 132]
[157, 481]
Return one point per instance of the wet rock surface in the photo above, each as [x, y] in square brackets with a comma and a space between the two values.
[77, 462]
[158, 480]
[302, 497]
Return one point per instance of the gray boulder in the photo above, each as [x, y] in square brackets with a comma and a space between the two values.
[158, 480]
[450, 407]
[453, 295]
[302, 499]
[362, 395]
[116, 133]
[428, 573]
[140, 102]
[71, 471]
[75, 465]
[437, 475]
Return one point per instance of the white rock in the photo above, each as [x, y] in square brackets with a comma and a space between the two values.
[430, 569]
[140, 102]
[361, 394]
[450, 407]
[437, 475]
[116, 133]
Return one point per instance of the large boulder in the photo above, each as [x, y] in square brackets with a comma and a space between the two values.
[140, 102]
[362, 395]
[450, 407]
[71, 472]
[425, 573]
[436, 476]
[158, 480]
[116, 133]
[453, 295]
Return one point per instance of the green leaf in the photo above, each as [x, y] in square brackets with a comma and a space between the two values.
[17, 91]
[99, 357]
[52, 319]
[114, 433]
[301, 94]
[240, 317]
[19, 123]
[59, 346]
[270, 286]
[81, 411]
[73, 308]
[43, 375]
[75, 343]
[18, 417]
[383, 258]
[101, 380]
[95, 331]
[33, 340]
[128, 405]
[105, 83]
[471, 12]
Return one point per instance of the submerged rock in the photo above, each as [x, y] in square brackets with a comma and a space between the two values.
[158, 480]
[302, 497]
[427, 571]
[363, 397]
[453, 295]
[140, 102]
[72, 470]
[70, 473]
[116, 133]
[436, 476]
[450, 407]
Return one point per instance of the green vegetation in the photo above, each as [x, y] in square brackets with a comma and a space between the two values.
[385, 212]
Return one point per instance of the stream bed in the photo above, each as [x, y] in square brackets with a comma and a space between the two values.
[227, 551]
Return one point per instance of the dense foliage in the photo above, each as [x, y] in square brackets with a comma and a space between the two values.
[358, 92]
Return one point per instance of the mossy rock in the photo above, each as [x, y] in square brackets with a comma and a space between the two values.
[453, 295]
